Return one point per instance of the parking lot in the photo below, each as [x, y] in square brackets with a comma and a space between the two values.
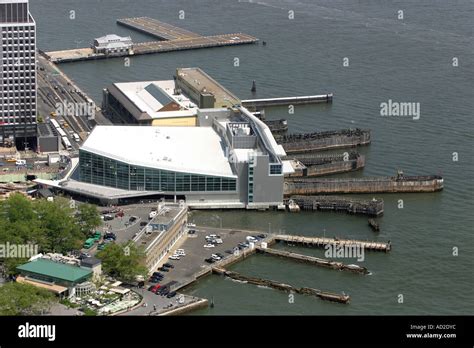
[185, 269]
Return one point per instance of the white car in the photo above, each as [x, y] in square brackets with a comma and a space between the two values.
[218, 241]
[209, 246]
[251, 239]
[191, 225]
[174, 257]
[152, 215]
[215, 257]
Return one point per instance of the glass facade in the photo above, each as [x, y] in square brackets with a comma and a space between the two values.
[99, 170]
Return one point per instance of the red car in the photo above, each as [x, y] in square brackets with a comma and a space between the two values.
[155, 288]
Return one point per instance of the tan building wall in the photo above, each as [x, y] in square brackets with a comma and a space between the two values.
[159, 249]
[177, 121]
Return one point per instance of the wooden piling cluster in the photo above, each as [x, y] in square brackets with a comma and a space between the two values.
[324, 295]
[373, 207]
[383, 184]
[307, 142]
[277, 126]
[323, 241]
[314, 260]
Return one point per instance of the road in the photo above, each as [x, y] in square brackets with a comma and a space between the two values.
[54, 89]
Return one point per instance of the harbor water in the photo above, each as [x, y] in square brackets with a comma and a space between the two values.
[402, 60]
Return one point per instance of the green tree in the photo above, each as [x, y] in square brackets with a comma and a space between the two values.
[60, 228]
[88, 218]
[123, 261]
[24, 299]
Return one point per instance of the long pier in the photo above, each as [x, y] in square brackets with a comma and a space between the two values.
[372, 207]
[309, 99]
[384, 184]
[307, 142]
[171, 38]
[324, 295]
[323, 241]
[314, 260]
[156, 28]
[313, 166]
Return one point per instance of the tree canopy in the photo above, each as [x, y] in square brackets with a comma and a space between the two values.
[52, 226]
[123, 261]
[24, 299]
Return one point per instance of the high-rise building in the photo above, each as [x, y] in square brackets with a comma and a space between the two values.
[17, 74]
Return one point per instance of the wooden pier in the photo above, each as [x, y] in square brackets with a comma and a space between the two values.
[384, 184]
[171, 39]
[372, 207]
[323, 241]
[314, 260]
[324, 295]
[319, 165]
[307, 142]
[156, 28]
[309, 99]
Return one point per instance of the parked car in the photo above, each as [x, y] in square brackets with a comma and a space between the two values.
[155, 288]
[169, 265]
[132, 219]
[108, 217]
[143, 223]
[209, 246]
[163, 269]
[210, 260]
[171, 294]
[173, 257]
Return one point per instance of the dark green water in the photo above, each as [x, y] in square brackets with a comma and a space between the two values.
[405, 60]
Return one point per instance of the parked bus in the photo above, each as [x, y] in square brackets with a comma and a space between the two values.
[66, 143]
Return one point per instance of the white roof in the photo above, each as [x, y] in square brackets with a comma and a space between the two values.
[112, 37]
[142, 99]
[198, 150]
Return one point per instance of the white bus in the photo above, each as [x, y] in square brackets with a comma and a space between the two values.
[61, 133]
[66, 143]
[55, 124]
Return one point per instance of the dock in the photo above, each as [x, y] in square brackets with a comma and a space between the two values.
[307, 142]
[319, 165]
[323, 241]
[169, 38]
[370, 207]
[265, 102]
[324, 295]
[314, 260]
[383, 184]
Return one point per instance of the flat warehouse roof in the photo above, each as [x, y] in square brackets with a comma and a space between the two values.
[199, 80]
[196, 150]
[55, 270]
[138, 95]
